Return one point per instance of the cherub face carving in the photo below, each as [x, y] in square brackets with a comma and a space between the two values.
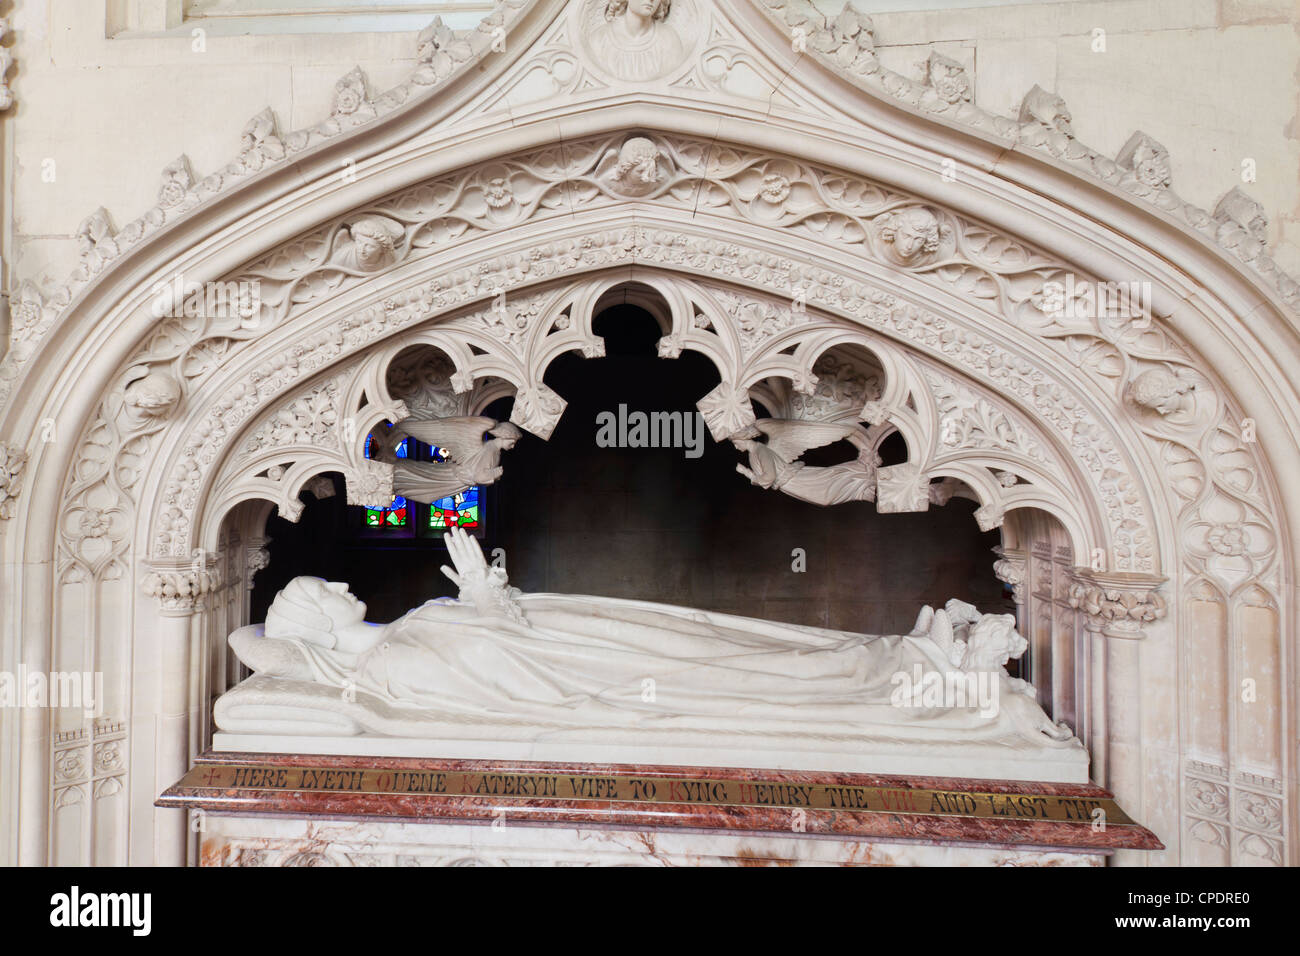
[657, 9]
[638, 169]
[913, 233]
[373, 243]
[153, 396]
[1159, 391]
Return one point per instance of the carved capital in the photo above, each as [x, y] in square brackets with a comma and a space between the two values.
[1116, 604]
[181, 587]
[12, 463]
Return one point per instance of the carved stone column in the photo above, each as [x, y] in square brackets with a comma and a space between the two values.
[179, 587]
[1115, 608]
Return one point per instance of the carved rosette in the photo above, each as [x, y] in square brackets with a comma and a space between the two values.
[180, 589]
[369, 484]
[1117, 604]
[727, 411]
[538, 410]
[902, 488]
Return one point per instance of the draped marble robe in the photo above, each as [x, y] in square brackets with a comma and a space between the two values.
[573, 661]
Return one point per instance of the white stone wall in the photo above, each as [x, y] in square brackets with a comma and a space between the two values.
[1213, 80]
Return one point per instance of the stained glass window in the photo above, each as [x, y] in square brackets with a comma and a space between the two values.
[396, 515]
[458, 511]
[403, 450]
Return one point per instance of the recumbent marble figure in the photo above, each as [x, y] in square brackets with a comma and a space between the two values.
[580, 677]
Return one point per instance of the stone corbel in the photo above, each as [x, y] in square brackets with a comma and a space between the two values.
[1117, 604]
[1012, 569]
[256, 558]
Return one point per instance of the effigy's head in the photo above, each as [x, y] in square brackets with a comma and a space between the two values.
[313, 610]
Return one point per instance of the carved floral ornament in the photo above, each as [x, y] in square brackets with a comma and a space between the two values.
[750, 328]
[1142, 167]
[843, 41]
[744, 179]
[814, 203]
[811, 202]
[828, 254]
[754, 322]
[1117, 605]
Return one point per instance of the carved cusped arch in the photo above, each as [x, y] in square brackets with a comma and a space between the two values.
[808, 227]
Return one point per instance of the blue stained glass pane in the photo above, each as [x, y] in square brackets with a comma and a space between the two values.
[402, 449]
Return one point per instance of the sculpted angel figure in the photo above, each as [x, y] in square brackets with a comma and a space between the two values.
[537, 666]
[470, 460]
[774, 464]
[635, 42]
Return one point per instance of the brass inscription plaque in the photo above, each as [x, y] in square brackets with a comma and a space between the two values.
[626, 788]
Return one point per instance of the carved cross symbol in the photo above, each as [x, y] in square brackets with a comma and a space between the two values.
[211, 775]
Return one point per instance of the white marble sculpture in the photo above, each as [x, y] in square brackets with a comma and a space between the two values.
[503, 665]
[636, 41]
[774, 464]
[470, 460]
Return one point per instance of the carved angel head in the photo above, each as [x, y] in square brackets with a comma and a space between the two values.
[658, 9]
[992, 641]
[913, 232]
[153, 396]
[374, 242]
[506, 435]
[1159, 390]
[1237, 207]
[638, 165]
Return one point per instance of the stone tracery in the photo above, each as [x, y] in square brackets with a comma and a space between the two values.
[1005, 406]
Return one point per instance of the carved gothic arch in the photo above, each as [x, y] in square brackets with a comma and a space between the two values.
[1219, 516]
[297, 432]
